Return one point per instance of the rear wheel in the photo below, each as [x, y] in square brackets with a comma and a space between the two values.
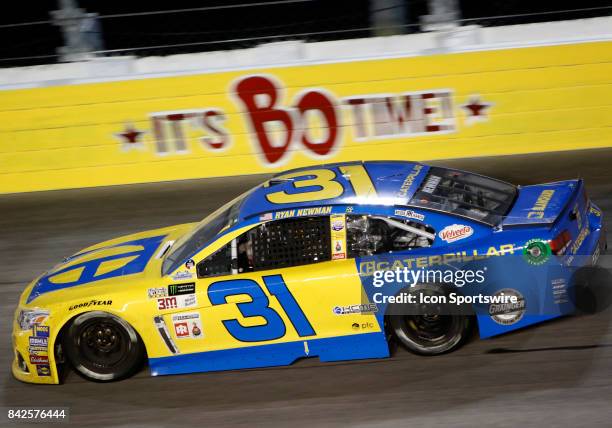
[428, 330]
[103, 347]
[431, 334]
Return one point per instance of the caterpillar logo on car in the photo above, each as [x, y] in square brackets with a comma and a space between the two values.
[409, 180]
[367, 268]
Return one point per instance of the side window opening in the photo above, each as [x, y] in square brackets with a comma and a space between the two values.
[291, 242]
[277, 244]
[218, 263]
[368, 235]
[244, 255]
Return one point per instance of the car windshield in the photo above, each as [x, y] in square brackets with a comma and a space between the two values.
[471, 195]
[204, 232]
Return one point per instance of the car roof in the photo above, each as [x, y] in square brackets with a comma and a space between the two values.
[394, 182]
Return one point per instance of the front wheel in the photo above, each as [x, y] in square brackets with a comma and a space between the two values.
[102, 347]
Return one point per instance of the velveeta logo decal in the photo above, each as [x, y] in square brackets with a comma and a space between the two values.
[455, 232]
[310, 122]
[108, 262]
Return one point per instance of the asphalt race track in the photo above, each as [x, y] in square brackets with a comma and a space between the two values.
[556, 374]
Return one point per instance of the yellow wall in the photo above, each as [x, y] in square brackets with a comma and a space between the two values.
[540, 99]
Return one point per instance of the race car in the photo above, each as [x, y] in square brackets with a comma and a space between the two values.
[315, 262]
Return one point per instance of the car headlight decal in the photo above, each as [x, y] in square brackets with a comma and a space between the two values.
[28, 318]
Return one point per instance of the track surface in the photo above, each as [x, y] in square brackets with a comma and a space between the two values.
[556, 374]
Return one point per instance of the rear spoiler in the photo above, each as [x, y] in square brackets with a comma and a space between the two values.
[542, 204]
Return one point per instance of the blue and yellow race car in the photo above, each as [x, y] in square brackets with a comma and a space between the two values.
[334, 261]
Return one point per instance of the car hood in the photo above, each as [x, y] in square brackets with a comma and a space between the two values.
[127, 255]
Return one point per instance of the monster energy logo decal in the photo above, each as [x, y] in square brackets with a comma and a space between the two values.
[179, 289]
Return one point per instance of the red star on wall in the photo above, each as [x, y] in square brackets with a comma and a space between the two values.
[476, 110]
[130, 137]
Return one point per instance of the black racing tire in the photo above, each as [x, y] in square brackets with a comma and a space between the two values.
[103, 347]
[431, 333]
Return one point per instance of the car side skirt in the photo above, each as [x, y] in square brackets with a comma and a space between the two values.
[351, 347]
